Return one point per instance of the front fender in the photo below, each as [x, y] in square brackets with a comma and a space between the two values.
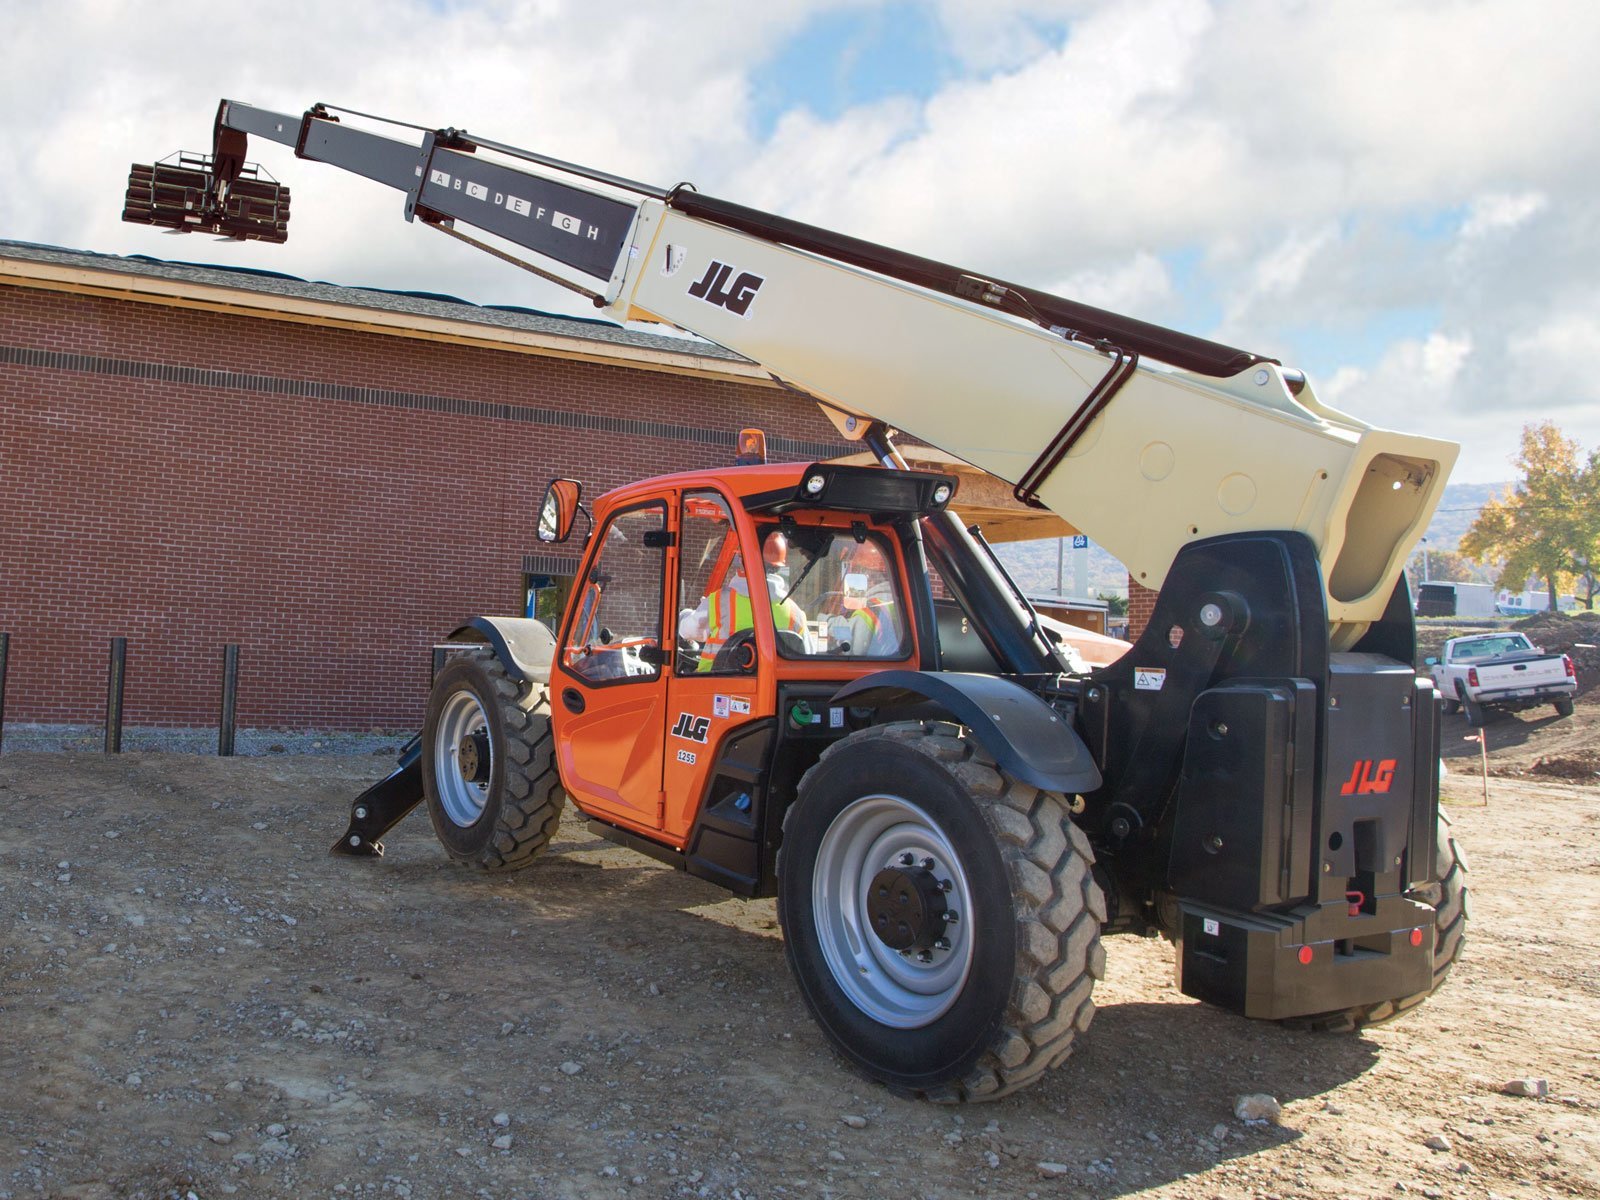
[524, 646]
[1027, 738]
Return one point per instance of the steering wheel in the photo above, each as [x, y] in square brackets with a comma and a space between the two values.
[791, 641]
[738, 653]
[688, 656]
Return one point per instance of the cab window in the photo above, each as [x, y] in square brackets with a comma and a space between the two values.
[839, 596]
[716, 617]
[615, 633]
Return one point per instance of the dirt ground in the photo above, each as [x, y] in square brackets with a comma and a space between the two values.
[195, 999]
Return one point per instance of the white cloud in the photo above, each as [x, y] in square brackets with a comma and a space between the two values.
[1401, 195]
[1142, 284]
[1410, 388]
[1500, 212]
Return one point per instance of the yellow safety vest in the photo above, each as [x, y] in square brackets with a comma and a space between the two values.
[872, 614]
[728, 611]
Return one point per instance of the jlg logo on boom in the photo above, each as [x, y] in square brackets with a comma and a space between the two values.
[1365, 781]
[713, 288]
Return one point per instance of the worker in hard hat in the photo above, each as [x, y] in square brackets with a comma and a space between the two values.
[727, 610]
[876, 628]
[787, 616]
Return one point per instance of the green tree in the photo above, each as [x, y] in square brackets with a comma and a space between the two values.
[1444, 566]
[1116, 606]
[1586, 556]
[1543, 528]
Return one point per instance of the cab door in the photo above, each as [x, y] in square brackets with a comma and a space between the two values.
[709, 695]
[608, 686]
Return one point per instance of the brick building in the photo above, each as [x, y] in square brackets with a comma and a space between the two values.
[328, 477]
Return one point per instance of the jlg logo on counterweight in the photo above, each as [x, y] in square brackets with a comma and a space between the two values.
[713, 288]
[1365, 781]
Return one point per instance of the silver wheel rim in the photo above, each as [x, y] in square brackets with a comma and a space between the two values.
[462, 799]
[899, 990]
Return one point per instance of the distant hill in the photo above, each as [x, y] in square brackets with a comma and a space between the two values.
[1033, 564]
[1459, 509]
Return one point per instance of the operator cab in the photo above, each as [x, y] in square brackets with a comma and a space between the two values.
[714, 616]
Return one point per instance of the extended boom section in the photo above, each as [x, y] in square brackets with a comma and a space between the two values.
[1058, 398]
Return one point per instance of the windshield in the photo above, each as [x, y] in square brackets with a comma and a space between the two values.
[1489, 647]
[834, 596]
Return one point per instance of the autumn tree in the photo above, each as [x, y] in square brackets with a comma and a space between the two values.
[1444, 566]
[1546, 527]
[1587, 555]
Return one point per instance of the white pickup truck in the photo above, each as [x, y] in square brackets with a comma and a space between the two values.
[1501, 670]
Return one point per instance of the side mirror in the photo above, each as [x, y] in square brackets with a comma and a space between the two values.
[559, 510]
[1430, 662]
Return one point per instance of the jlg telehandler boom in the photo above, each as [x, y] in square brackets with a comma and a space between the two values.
[948, 814]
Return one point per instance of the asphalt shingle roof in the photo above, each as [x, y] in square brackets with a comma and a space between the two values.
[421, 304]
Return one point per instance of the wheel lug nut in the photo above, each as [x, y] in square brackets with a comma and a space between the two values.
[906, 860]
[942, 944]
[927, 864]
[924, 956]
[946, 885]
[951, 916]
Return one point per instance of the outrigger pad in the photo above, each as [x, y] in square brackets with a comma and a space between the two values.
[383, 806]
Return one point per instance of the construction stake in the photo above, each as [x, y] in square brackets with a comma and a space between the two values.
[1482, 739]
[230, 700]
[115, 673]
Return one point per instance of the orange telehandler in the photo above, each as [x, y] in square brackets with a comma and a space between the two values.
[812, 681]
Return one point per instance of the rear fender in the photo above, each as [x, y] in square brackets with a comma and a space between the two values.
[525, 646]
[1028, 739]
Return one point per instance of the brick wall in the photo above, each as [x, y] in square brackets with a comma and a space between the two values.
[1141, 607]
[331, 500]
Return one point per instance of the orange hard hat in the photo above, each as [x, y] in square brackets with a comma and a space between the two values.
[868, 556]
[775, 550]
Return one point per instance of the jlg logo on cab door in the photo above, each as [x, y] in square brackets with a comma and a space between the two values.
[1365, 780]
[692, 728]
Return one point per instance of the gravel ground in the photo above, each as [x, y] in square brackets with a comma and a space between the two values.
[195, 999]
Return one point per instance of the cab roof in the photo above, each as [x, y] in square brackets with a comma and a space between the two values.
[776, 488]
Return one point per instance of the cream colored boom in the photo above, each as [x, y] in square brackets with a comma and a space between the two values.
[1173, 458]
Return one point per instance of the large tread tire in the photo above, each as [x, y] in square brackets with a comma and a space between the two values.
[1563, 707]
[521, 798]
[1476, 715]
[1448, 897]
[1026, 872]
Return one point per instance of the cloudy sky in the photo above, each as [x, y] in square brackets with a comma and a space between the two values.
[1402, 197]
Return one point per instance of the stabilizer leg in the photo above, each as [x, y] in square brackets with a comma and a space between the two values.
[383, 805]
